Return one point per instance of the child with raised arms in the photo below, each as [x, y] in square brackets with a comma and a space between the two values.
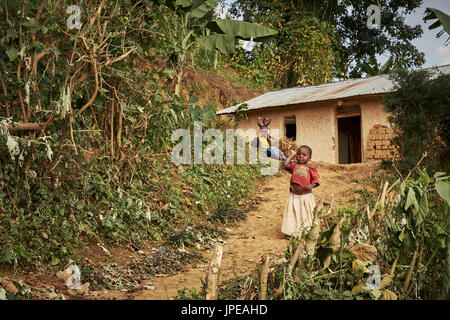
[298, 216]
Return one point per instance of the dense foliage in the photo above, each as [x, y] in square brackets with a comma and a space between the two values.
[302, 54]
[86, 121]
[419, 113]
[319, 40]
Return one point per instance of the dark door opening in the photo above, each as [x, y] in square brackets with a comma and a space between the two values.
[349, 135]
[290, 127]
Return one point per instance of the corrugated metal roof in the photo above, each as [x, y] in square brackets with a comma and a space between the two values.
[330, 91]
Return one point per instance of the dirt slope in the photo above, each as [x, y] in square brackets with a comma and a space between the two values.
[208, 88]
[260, 233]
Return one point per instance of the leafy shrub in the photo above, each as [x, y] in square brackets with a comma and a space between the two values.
[419, 112]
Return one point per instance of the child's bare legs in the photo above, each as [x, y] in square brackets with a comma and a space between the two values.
[277, 152]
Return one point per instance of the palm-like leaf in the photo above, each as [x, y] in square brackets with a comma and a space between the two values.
[241, 29]
[225, 43]
[442, 19]
[228, 31]
[198, 8]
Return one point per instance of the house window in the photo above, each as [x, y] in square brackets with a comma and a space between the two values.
[290, 127]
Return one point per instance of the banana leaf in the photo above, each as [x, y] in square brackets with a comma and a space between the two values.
[443, 20]
[183, 3]
[241, 29]
[198, 8]
[443, 189]
[225, 43]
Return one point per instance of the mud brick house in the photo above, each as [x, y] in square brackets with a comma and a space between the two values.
[343, 122]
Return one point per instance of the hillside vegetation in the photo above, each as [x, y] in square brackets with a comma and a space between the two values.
[86, 120]
[90, 97]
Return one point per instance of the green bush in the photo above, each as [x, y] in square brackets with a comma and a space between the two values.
[419, 112]
[143, 199]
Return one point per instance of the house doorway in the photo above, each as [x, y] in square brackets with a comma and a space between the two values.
[349, 139]
[290, 127]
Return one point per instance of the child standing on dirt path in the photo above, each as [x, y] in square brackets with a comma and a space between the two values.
[264, 140]
[298, 216]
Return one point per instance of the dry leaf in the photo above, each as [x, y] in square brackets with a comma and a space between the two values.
[356, 289]
[364, 252]
[9, 286]
[326, 262]
[389, 295]
[359, 266]
[386, 281]
[376, 293]
[84, 289]
[335, 239]
[61, 275]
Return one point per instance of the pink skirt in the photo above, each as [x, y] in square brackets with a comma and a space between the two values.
[298, 216]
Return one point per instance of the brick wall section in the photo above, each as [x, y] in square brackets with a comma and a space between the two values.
[379, 145]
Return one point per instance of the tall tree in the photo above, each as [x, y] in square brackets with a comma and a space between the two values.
[301, 54]
[354, 45]
[362, 45]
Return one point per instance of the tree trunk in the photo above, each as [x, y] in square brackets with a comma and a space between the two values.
[112, 128]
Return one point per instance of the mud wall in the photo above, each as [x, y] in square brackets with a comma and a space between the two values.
[314, 124]
[317, 124]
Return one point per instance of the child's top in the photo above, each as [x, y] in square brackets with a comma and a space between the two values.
[263, 133]
[302, 175]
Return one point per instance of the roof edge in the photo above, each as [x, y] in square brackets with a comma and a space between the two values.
[233, 109]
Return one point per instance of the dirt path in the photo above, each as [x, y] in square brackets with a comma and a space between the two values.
[260, 234]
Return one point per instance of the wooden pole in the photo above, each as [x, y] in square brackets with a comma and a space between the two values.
[369, 221]
[120, 111]
[212, 291]
[383, 195]
[263, 278]
[8, 113]
[111, 124]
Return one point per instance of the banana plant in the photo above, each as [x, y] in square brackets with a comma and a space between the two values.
[422, 220]
[442, 19]
[221, 35]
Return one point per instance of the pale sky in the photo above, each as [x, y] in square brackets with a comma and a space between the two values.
[435, 51]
